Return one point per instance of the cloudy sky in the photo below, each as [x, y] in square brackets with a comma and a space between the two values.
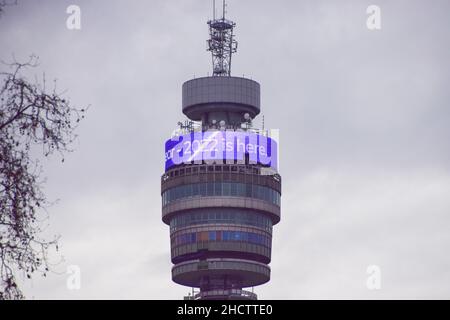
[364, 124]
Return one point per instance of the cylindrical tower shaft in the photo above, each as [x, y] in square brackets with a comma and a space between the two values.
[221, 190]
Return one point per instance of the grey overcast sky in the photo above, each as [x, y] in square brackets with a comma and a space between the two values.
[364, 126]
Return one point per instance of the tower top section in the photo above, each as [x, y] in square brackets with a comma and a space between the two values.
[221, 42]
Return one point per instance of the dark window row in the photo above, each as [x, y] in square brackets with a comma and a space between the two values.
[221, 215]
[247, 247]
[202, 236]
[217, 168]
[221, 189]
[189, 267]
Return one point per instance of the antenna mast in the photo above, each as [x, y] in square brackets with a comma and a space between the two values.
[221, 42]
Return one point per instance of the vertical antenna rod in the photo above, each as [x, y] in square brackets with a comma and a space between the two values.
[221, 42]
[223, 9]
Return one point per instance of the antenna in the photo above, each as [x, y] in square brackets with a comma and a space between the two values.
[221, 42]
[223, 10]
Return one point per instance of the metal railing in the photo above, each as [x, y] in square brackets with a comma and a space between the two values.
[230, 293]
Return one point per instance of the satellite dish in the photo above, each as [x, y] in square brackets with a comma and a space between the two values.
[222, 123]
[246, 116]
[213, 121]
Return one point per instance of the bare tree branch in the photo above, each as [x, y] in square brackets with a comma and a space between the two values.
[4, 3]
[29, 116]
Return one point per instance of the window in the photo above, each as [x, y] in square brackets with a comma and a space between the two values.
[221, 236]
[233, 189]
[226, 189]
[210, 189]
[260, 192]
[203, 189]
[195, 189]
[248, 190]
[221, 215]
[265, 193]
[203, 236]
[241, 189]
[218, 189]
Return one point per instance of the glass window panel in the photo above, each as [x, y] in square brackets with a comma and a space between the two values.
[195, 189]
[261, 192]
[226, 189]
[175, 193]
[204, 236]
[188, 190]
[218, 189]
[210, 190]
[203, 189]
[233, 189]
[241, 190]
[248, 190]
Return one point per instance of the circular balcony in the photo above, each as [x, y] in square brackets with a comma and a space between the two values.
[216, 95]
[191, 174]
[230, 294]
[249, 273]
[221, 249]
[185, 204]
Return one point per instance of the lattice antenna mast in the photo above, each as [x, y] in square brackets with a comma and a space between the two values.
[221, 42]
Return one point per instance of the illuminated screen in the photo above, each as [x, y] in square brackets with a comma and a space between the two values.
[211, 146]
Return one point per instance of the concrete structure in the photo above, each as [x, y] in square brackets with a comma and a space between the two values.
[221, 214]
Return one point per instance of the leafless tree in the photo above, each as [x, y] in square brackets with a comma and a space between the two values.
[4, 3]
[34, 123]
